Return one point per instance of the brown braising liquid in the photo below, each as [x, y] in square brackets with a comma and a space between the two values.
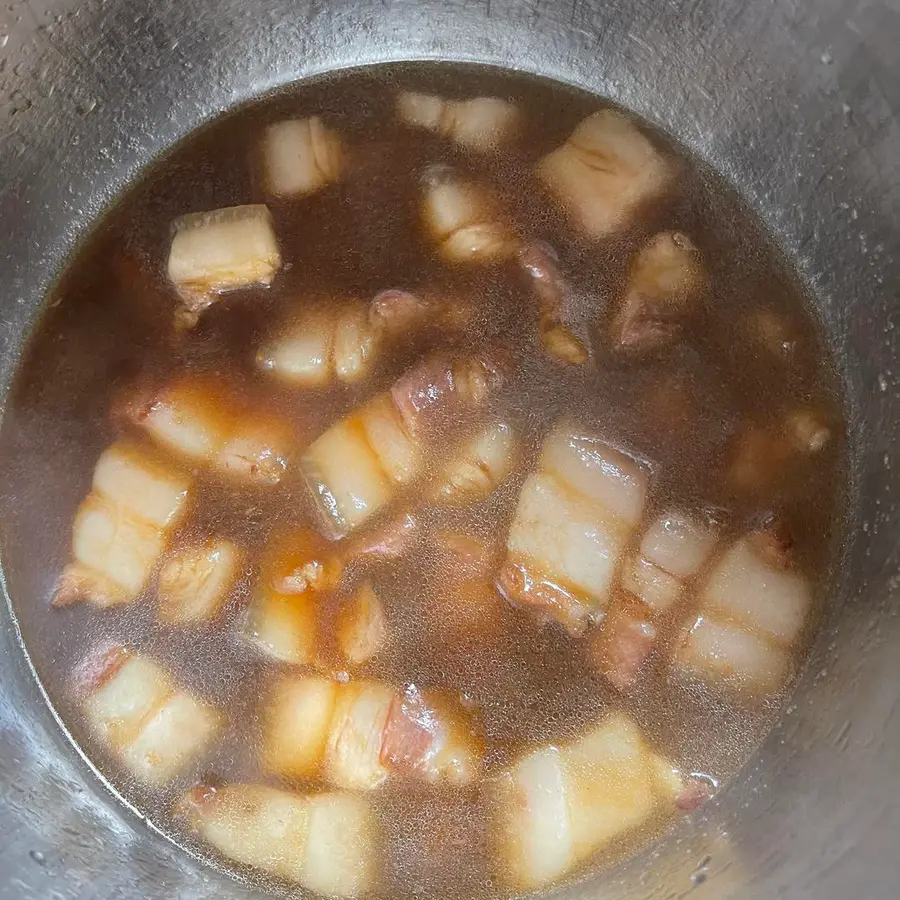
[109, 326]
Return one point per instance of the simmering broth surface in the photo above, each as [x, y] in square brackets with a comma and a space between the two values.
[747, 360]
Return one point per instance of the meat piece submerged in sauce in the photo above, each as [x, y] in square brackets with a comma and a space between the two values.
[654, 580]
[355, 469]
[752, 610]
[120, 527]
[356, 735]
[324, 842]
[134, 707]
[574, 519]
[470, 497]
[559, 804]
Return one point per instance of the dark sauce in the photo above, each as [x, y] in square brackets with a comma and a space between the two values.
[109, 324]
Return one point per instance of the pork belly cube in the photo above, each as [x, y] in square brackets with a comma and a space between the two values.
[749, 590]
[298, 723]
[252, 825]
[176, 733]
[116, 543]
[353, 755]
[345, 477]
[574, 519]
[719, 652]
[427, 736]
[285, 626]
[135, 708]
[299, 156]
[479, 467]
[483, 123]
[222, 250]
[354, 468]
[121, 526]
[753, 609]
[194, 582]
[665, 288]
[678, 543]
[339, 343]
[464, 219]
[142, 483]
[357, 735]
[190, 417]
[124, 690]
[324, 842]
[302, 353]
[258, 451]
[558, 805]
[674, 549]
[603, 172]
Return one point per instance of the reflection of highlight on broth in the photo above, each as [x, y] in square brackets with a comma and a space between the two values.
[446, 567]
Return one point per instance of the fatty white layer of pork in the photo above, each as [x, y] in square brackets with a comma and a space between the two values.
[137, 497]
[673, 550]
[558, 805]
[752, 611]
[325, 842]
[356, 735]
[138, 711]
[603, 172]
[575, 516]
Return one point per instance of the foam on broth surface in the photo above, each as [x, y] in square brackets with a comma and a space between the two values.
[109, 328]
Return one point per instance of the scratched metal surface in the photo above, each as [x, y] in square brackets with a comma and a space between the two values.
[797, 101]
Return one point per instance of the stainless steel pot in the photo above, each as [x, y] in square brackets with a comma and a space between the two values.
[797, 103]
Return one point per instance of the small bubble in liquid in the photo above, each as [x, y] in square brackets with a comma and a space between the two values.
[38, 857]
[827, 58]
[86, 106]
[4, 36]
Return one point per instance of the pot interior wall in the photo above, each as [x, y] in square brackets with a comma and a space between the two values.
[793, 105]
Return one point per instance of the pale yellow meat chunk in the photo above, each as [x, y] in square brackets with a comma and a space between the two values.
[559, 805]
[222, 250]
[194, 582]
[603, 171]
[300, 156]
[115, 543]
